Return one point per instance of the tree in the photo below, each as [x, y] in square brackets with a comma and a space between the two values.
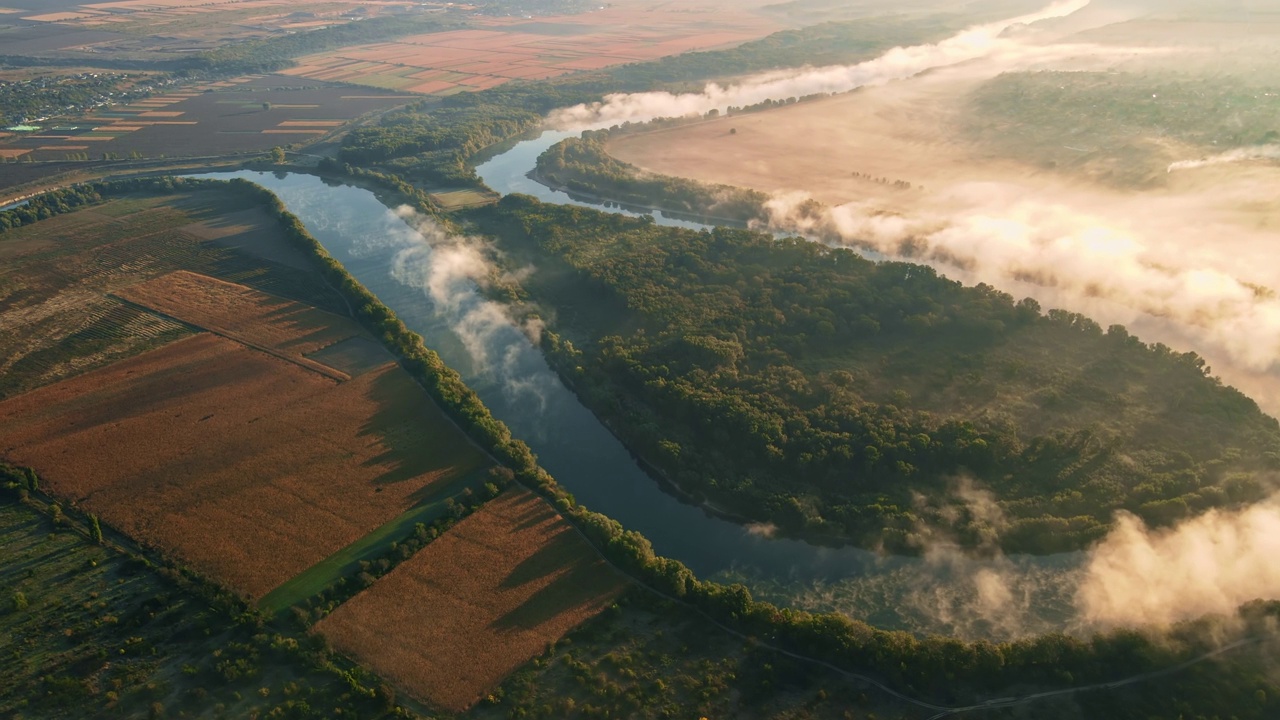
[266, 106]
[95, 529]
[277, 155]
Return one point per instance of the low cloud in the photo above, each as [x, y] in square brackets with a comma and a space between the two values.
[452, 270]
[898, 63]
[1213, 563]
[1260, 152]
[1067, 257]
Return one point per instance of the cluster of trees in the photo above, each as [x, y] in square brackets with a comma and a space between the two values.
[837, 397]
[40, 97]
[316, 607]
[584, 166]
[435, 145]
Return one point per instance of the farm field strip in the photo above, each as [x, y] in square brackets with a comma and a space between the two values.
[246, 467]
[346, 561]
[476, 603]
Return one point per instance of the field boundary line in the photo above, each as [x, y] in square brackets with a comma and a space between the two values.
[302, 362]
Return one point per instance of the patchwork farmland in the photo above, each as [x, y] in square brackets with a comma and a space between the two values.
[245, 115]
[503, 49]
[164, 29]
[270, 445]
[243, 458]
[477, 603]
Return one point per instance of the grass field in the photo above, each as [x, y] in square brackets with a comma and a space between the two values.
[477, 603]
[102, 635]
[56, 316]
[456, 199]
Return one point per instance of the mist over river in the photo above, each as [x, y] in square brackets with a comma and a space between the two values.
[943, 592]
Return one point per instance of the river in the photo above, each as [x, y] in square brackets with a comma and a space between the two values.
[944, 592]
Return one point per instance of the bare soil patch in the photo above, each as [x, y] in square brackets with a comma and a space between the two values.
[451, 622]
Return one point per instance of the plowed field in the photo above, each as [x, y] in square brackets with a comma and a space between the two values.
[246, 466]
[449, 623]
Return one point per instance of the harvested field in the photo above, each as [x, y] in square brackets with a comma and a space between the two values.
[248, 115]
[477, 603]
[244, 466]
[508, 48]
[56, 319]
[280, 326]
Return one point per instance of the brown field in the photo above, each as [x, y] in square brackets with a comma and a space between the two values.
[509, 48]
[245, 466]
[57, 315]
[282, 327]
[477, 603]
[230, 119]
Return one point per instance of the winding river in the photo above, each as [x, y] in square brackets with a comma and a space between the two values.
[944, 592]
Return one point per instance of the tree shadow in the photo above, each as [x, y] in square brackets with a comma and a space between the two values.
[414, 443]
[585, 582]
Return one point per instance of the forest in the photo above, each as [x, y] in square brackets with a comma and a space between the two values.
[874, 403]
[582, 165]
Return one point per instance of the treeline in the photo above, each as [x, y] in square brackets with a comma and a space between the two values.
[435, 139]
[877, 403]
[584, 166]
[934, 667]
[315, 608]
